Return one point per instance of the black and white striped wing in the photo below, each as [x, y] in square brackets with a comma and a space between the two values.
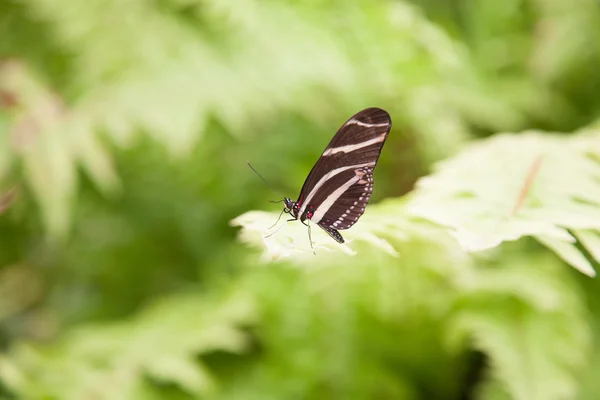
[340, 184]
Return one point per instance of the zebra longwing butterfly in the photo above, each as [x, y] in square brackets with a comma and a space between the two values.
[339, 186]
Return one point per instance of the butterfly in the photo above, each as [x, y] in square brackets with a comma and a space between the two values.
[339, 186]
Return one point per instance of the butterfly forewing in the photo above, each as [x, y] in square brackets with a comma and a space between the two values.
[340, 184]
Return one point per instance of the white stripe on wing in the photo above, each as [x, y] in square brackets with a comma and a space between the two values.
[325, 178]
[332, 198]
[360, 123]
[351, 147]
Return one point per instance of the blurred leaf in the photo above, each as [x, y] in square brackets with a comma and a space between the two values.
[563, 56]
[20, 287]
[7, 199]
[538, 341]
[335, 319]
[511, 186]
[112, 361]
[590, 241]
[49, 151]
[569, 253]
[523, 314]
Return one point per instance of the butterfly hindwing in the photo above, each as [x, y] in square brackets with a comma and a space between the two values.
[351, 204]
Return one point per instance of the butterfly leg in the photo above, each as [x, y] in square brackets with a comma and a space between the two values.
[305, 222]
[310, 240]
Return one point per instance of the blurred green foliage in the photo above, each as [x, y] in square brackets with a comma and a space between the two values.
[130, 259]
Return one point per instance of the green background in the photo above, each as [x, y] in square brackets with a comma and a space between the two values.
[125, 127]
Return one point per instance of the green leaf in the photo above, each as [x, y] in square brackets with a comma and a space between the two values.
[569, 253]
[50, 150]
[290, 240]
[532, 327]
[510, 186]
[162, 342]
[591, 241]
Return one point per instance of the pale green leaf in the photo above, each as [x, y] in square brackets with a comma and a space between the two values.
[510, 186]
[591, 241]
[290, 239]
[569, 253]
[186, 373]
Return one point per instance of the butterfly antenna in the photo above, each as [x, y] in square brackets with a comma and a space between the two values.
[264, 180]
[280, 214]
[272, 233]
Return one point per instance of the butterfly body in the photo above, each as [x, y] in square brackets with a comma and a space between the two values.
[339, 186]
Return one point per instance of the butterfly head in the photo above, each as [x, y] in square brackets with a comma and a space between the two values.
[291, 207]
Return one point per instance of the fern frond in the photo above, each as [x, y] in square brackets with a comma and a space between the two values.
[510, 186]
[160, 343]
[290, 239]
[43, 133]
[530, 322]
